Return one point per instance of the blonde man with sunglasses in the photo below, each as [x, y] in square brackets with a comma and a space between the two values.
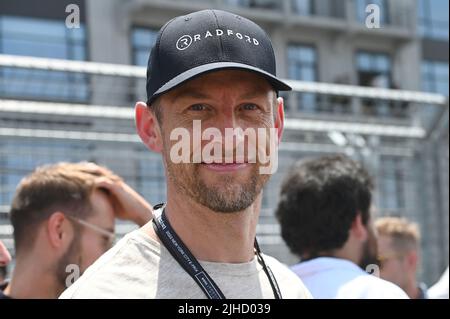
[399, 254]
[63, 219]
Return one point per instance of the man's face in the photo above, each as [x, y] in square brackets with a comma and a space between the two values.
[88, 244]
[393, 264]
[220, 100]
[93, 243]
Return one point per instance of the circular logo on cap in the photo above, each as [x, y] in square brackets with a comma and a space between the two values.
[184, 42]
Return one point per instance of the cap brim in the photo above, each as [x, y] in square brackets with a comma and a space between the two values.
[277, 84]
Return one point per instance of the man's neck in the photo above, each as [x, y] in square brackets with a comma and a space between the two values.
[30, 281]
[412, 289]
[214, 236]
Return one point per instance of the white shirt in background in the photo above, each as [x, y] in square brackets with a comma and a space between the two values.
[329, 278]
[440, 289]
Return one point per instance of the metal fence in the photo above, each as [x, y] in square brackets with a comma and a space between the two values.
[407, 154]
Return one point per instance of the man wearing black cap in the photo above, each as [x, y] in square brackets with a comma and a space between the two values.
[215, 71]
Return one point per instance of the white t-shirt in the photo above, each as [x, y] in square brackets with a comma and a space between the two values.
[329, 278]
[140, 267]
[440, 289]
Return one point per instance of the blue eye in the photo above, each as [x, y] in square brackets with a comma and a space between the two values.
[197, 107]
[249, 107]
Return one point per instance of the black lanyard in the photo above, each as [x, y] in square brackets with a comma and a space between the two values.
[190, 264]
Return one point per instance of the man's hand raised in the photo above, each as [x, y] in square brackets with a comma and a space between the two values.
[127, 203]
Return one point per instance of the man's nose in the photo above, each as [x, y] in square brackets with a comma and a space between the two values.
[226, 119]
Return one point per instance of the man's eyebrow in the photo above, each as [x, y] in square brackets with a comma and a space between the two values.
[190, 93]
[257, 92]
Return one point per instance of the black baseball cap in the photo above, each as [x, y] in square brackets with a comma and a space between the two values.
[204, 41]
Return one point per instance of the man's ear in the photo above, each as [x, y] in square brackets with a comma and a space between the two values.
[412, 258]
[279, 118]
[59, 230]
[358, 229]
[148, 127]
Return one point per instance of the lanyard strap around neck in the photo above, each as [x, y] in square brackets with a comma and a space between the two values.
[191, 265]
[185, 258]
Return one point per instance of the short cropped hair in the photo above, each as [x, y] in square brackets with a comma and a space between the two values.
[405, 234]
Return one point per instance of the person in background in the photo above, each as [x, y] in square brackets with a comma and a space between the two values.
[326, 220]
[63, 219]
[399, 254]
[5, 259]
